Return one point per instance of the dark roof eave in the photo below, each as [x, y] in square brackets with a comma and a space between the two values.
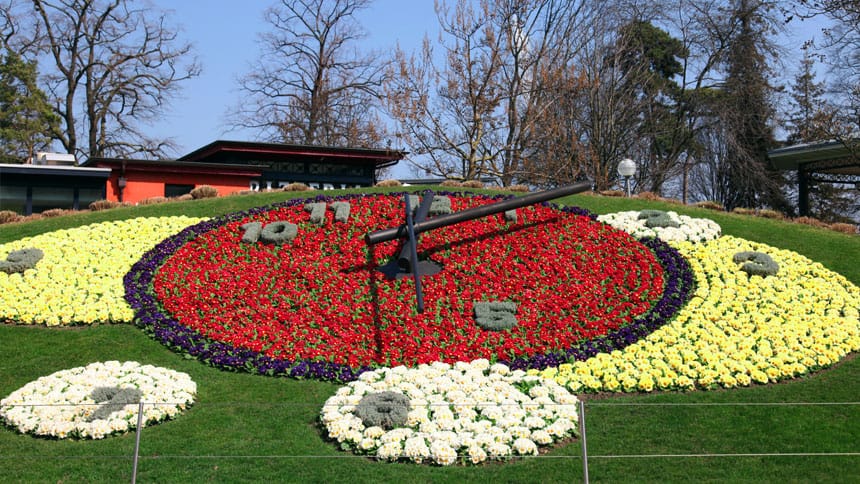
[172, 163]
[791, 157]
[382, 156]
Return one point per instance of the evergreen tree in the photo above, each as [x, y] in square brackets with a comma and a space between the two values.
[26, 119]
[651, 65]
[809, 119]
[747, 111]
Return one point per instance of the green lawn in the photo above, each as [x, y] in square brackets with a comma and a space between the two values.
[246, 428]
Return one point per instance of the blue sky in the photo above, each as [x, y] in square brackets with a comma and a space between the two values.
[224, 33]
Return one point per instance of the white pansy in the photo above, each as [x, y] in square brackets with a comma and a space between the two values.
[476, 411]
[61, 405]
[690, 229]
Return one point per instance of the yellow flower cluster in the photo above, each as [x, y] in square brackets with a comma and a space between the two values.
[79, 279]
[736, 330]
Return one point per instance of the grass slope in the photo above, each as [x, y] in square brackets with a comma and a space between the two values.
[246, 428]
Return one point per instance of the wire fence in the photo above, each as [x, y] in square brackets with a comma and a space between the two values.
[586, 409]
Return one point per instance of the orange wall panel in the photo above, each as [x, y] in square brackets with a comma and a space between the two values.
[141, 185]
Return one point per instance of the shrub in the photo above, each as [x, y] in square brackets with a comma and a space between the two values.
[710, 205]
[104, 205]
[649, 196]
[612, 193]
[245, 192]
[21, 260]
[743, 211]
[204, 191]
[388, 183]
[185, 197]
[7, 216]
[518, 188]
[55, 212]
[657, 218]
[771, 214]
[810, 221]
[383, 409]
[451, 183]
[116, 398]
[296, 187]
[496, 315]
[152, 200]
[844, 228]
[473, 184]
[756, 263]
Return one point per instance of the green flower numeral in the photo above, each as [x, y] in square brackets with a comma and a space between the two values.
[495, 316]
[114, 398]
[273, 233]
[756, 263]
[21, 260]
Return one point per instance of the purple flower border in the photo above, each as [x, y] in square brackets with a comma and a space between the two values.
[150, 316]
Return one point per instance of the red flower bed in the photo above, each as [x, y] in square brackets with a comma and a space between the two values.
[320, 297]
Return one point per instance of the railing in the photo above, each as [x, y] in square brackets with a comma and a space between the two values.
[593, 449]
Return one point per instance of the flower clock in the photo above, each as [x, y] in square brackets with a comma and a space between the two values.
[526, 309]
[316, 305]
[97, 400]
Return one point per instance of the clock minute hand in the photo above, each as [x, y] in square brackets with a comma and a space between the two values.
[379, 236]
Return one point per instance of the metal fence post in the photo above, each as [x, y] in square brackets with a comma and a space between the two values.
[582, 438]
[137, 442]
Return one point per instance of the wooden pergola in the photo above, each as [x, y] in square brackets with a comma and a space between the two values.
[824, 161]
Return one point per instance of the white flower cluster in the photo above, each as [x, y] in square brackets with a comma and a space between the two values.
[60, 405]
[690, 229]
[475, 410]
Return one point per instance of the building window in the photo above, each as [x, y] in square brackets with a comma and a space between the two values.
[13, 198]
[171, 191]
[46, 198]
[86, 196]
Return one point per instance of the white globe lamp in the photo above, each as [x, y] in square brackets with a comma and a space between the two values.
[627, 168]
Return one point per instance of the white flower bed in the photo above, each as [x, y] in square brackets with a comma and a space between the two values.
[474, 411]
[691, 229]
[59, 405]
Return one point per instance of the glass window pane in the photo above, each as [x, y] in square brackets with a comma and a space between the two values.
[46, 198]
[171, 190]
[86, 196]
[13, 198]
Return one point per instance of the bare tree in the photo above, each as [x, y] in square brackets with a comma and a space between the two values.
[541, 38]
[311, 85]
[447, 113]
[121, 62]
[479, 112]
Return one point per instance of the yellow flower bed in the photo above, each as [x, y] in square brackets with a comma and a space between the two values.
[79, 279]
[736, 330]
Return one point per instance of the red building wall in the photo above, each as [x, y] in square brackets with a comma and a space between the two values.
[141, 185]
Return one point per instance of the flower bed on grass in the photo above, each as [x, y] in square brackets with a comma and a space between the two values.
[97, 400]
[79, 278]
[738, 329]
[469, 412]
[318, 307]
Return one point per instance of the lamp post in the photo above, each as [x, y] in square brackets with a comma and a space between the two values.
[627, 168]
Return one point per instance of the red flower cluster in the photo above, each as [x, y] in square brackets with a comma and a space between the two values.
[321, 297]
